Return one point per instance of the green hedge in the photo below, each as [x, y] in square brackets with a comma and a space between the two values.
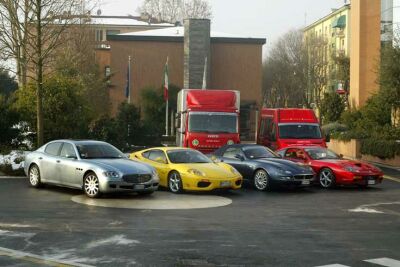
[384, 149]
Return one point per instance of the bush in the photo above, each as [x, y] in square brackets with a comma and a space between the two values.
[384, 149]
[332, 107]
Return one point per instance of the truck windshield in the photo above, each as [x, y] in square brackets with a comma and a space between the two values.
[299, 131]
[212, 122]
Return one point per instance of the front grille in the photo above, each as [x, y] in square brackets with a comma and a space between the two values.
[302, 177]
[203, 184]
[371, 177]
[137, 178]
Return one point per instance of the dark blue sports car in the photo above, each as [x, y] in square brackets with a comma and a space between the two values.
[263, 167]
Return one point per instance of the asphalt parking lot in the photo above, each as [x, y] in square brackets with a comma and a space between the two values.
[305, 227]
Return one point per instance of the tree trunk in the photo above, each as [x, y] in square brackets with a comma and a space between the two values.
[39, 74]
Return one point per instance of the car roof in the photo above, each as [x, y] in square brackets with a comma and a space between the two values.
[79, 141]
[167, 148]
[301, 147]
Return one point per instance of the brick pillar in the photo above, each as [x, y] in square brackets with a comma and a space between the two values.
[196, 49]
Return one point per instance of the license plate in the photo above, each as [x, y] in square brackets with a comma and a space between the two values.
[139, 186]
[371, 182]
[305, 182]
[225, 184]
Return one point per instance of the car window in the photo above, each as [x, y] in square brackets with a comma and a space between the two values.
[53, 148]
[67, 151]
[146, 154]
[157, 156]
[295, 153]
[232, 152]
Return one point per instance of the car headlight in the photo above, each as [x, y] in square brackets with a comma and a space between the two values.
[281, 172]
[350, 169]
[196, 172]
[111, 174]
[234, 171]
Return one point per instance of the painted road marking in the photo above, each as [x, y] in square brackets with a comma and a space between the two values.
[334, 265]
[371, 208]
[33, 258]
[388, 262]
[157, 201]
[392, 178]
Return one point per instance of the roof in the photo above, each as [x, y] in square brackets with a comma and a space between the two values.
[334, 13]
[124, 21]
[176, 34]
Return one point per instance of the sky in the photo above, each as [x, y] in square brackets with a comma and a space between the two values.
[251, 18]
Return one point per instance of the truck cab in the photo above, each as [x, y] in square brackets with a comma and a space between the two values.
[279, 128]
[207, 119]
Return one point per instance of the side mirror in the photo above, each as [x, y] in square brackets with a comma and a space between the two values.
[215, 159]
[327, 138]
[239, 157]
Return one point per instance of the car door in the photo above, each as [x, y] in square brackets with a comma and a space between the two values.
[67, 166]
[158, 160]
[235, 157]
[49, 161]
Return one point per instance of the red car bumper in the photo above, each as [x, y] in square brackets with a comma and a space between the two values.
[348, 178]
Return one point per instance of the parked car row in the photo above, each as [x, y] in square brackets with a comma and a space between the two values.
[98, 167]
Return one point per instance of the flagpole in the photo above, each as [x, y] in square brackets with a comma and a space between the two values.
[166, 81]
[129, 79]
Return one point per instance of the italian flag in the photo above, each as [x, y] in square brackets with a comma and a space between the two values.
[166, 81]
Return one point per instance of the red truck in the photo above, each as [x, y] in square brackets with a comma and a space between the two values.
[207, 119]
[279, 128]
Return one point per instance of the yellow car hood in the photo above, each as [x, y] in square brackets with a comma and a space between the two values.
[211, 170]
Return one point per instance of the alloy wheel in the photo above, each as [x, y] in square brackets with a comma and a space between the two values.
[326, 178]
[91, 185]
[34, 176]
[261, 180]
[174, 183]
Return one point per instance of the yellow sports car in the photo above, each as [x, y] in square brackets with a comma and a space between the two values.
[182, 169]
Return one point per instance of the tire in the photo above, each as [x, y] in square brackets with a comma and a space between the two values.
[326, 178]
[91, 185]
[34, 176]
[175, 182]
[261, 180]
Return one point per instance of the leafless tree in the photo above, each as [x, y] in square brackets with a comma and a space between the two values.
[317, 68]
[175, 10]
[15, 18]
[285, 72]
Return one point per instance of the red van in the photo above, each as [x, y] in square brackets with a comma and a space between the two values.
[279, 128]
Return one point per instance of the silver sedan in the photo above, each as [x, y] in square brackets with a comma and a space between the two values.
[94, 166]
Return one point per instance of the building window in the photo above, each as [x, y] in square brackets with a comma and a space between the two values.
[99, 35]
[107, 71]
[112, 32]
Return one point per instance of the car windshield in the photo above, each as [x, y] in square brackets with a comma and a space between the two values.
[321, 153]
[299, 131]
[99, 151]
[257, 152]
[213, 122]
[187, 156]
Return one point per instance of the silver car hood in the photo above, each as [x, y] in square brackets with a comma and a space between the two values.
[125, 166]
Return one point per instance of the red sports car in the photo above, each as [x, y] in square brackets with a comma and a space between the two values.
[333, 169]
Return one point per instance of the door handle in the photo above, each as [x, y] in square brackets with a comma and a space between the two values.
[58, 161]
[40, 158]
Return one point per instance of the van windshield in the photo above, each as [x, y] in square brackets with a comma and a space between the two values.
[212, 122]
[299, 131]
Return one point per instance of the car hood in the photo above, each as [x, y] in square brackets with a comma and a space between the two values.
[125, 166]
[288, 165]
[211, 170]
[361, 166]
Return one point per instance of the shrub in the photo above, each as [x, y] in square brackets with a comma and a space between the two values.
[332, 107]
